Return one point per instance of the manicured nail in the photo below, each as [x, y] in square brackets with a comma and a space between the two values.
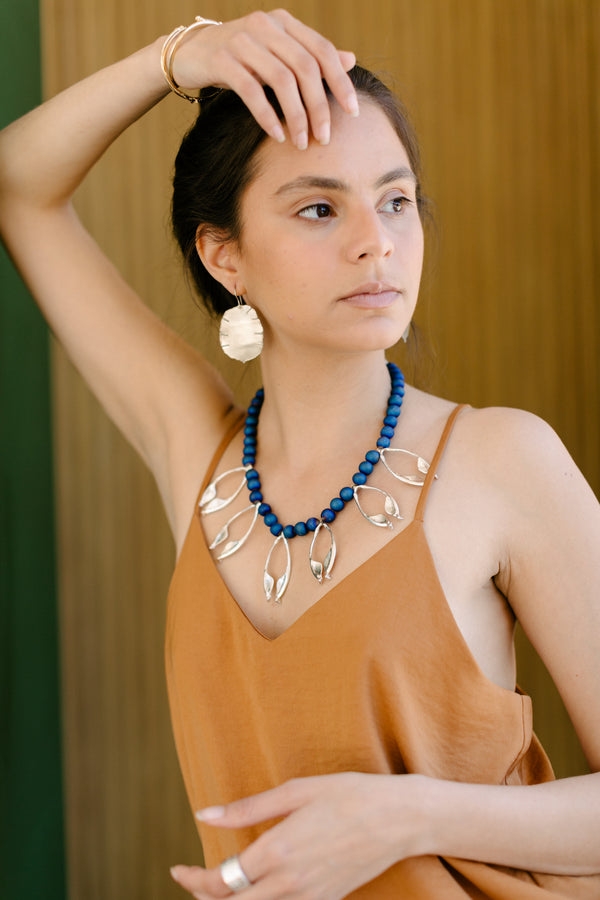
[210, 813]
[174, 874]
[323, 133]
[302, 140]
[352, 105]
[278, 134]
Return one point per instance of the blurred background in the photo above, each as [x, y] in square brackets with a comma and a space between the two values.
[504, 95]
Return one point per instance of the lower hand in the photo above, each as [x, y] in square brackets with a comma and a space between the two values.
[338, 832]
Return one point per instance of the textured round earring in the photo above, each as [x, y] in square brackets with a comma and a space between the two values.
[241, 332]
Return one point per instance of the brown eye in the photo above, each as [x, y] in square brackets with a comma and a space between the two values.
[316, 211]
[396, 204]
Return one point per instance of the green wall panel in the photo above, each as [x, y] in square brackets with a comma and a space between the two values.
[31, 829]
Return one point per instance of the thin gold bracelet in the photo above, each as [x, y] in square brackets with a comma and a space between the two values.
[169, 49]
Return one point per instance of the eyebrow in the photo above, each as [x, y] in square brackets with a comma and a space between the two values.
[334, 184]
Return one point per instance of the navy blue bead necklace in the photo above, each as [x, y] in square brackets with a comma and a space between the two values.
[346, 494]
[210, 502]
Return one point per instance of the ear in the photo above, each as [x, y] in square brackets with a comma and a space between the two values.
[220, 257]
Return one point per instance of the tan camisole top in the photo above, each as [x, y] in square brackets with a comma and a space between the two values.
[375, 677]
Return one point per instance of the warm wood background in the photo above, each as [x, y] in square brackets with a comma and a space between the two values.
[505, 96]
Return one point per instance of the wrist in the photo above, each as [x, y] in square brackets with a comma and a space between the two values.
[410, 819]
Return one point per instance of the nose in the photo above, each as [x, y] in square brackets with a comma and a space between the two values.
[368, 237]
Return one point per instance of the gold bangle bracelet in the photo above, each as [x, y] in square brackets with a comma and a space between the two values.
[169, 49]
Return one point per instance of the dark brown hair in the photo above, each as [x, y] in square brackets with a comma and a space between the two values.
[215, 163]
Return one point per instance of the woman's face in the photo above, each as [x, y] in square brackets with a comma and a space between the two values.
[331, 246]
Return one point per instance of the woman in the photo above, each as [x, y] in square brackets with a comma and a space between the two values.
[351, 680]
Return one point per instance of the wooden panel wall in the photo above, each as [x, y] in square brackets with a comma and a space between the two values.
[504, 95]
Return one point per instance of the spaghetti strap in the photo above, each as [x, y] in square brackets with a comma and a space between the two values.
[231, 431]
[420, 511]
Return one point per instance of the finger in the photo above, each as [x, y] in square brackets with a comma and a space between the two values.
[273, 804]
[347, 59]
[307, 57]
[250, 91]
[332, 68]
[279, 68]
[300, 92]
[295, 76]
[201, 883]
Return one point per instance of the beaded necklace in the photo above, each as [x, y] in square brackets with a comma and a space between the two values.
[321, 569]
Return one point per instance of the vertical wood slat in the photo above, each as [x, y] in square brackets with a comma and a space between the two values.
[503, 94]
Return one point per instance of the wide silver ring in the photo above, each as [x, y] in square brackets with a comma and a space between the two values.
[234, 876]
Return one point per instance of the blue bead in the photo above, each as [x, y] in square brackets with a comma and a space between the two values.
[250, 444]
[372, 456]
[346, 493]
[263, 509]
[395, 399]
[359, 478]
[365, 467]
[276, 529]
[253, 484]
[300, 528]
[251, 473]
[312, 523]
[386, 431]
[270, 519]
[392, 421]
[383, 442]
[328, 515]
[249, 430]
[289, 532]
[393, 410]
[256, 497]
[337, 504]
[248, 460]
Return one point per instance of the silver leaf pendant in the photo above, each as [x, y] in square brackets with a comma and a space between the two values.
[422, 466]
[390, 506]
[283, 580]
[209, 502]
[223, 534]
[322, 570]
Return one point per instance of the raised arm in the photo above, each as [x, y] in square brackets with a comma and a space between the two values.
[168, 402]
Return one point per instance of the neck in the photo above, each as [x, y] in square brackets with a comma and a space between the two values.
[315, 408]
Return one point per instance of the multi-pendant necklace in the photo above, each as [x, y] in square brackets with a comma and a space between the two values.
[282, 534]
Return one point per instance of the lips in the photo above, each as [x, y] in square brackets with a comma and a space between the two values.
[375, 295]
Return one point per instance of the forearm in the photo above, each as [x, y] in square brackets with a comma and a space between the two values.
[549, 827]
[45, 155]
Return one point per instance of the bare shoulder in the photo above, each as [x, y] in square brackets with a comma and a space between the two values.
[521, 452]
[504, 465]
[508, 443]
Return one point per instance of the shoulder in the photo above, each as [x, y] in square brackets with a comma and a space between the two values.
[511, 441]
[492, 438]
[519, 453]
[504, 462]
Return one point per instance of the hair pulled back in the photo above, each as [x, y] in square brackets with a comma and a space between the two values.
[216, 162]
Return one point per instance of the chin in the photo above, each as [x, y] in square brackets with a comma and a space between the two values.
[379, 334]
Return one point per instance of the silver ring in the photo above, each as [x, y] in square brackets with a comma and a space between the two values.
[234, 876]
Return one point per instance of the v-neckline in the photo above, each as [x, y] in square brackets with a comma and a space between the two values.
[224, 588]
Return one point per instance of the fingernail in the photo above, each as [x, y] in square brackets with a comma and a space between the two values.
[352, 105]
[210, 813]
[323, 133]
[278, 134]
[302, 140]
[173, 872]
